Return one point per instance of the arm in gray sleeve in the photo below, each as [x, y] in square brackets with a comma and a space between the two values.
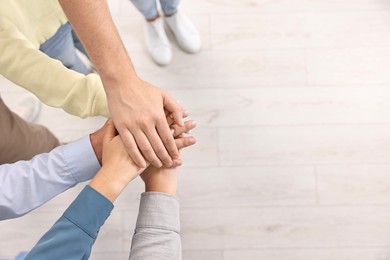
[157, 233]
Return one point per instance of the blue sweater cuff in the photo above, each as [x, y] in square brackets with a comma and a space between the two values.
[89, 211]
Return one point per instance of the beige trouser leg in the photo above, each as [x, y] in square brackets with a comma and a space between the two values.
[20, 140]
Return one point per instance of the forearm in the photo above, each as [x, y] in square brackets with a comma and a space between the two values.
[163, 180]
[100, 39]
[157, 233]
[48, 79]
[44, 177]
[110, 182]
[73, 235]
[165, 183]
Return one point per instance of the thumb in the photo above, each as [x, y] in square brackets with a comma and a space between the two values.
[110, 131]
[174, 108]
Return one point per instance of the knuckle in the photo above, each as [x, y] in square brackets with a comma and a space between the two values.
[119, 121]
[166, 161]
[143, 120]
[155, 162]
[161, 152]
[129, 148]
[178, 130]
[169, 140]
[145, 150]
[144, 123]
[157, 118]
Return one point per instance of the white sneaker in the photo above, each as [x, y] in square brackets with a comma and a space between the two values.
[28, 107]
[157, 42]
[186, 34]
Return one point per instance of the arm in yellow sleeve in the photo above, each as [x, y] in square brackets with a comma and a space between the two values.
[53, 83]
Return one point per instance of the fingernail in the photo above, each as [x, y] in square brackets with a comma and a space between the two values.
[179, 162]
[194, 123]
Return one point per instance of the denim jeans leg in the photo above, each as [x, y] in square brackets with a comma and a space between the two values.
[169, 7]
[78, 44]
[61, 47]
[148, 8]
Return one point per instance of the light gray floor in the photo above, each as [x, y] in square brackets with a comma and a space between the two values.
[292, 99]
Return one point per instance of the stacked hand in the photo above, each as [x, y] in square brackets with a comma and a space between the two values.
[119, 169]
[139, 115]
[165, 179]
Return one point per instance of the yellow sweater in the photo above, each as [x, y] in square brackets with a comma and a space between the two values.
[24, 26]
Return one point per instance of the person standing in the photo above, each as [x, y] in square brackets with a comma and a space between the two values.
[181, 26]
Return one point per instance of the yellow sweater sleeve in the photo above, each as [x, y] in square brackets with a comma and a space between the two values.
[53, 83]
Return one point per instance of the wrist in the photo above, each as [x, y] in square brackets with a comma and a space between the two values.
[107, 186]
[168, 190]
[111, 181]
[161, 180]
[167, 185]
[117, 80]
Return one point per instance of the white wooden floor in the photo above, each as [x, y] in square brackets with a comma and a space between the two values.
[292, 100]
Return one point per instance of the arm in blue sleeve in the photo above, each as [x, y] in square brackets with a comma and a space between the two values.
[73, 235]
[26, 185]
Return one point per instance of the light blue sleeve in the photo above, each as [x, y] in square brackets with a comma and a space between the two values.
[73, 235]
[26, 185]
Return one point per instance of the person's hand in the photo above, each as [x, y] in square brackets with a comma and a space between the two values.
[118, 169]
[136, 107]
[165, 179]
[115, 157]
[139, 115]
[96, 139]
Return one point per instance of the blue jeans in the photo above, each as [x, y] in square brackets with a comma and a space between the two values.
[149, 7]
[62, 46]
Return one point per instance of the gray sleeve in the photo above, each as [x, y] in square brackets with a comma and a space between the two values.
[157, 232]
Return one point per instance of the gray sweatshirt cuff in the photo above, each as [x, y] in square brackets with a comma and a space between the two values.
[159, 210]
